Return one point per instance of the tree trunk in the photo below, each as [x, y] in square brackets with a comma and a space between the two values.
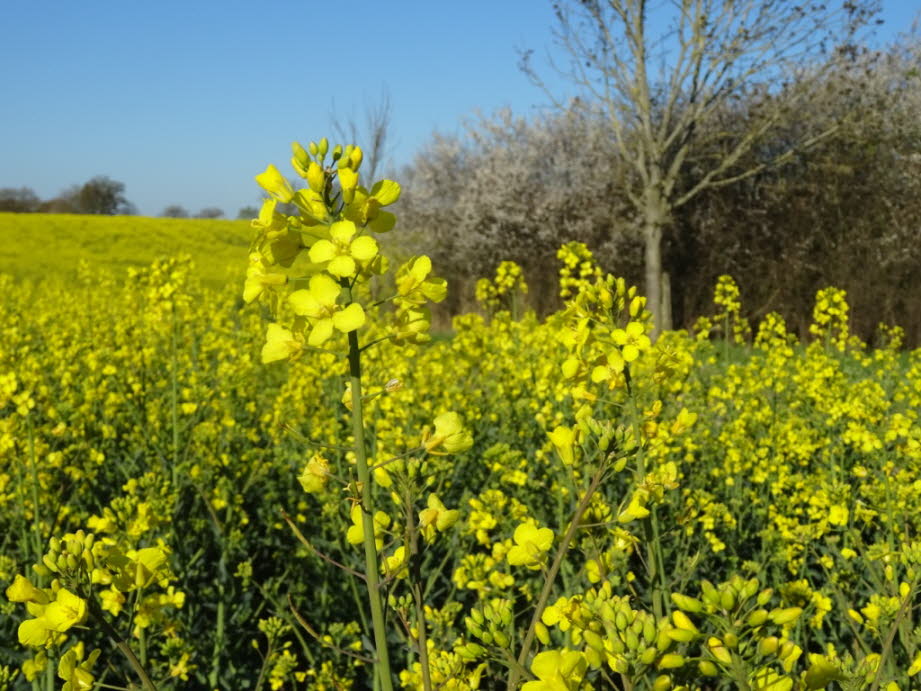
[655, 217]
[666, 302]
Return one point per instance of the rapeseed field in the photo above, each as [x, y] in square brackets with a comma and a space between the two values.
[285, 483]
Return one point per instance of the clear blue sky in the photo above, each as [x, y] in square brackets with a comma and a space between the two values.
[185, 101]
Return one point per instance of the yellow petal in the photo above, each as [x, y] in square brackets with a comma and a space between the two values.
[348, 180]
[67, 609]
[279, 344]
[447, 424]
[342, 266]
[34, 633]
[435, 289]
[364, 248]
[546, 664]
[305, 304]
[320, 333]
[342, 231]
[22, 590]
[349, 319]
[386, 192]
[383, 222]
[325, 289]
[322, 251]
[275, 184]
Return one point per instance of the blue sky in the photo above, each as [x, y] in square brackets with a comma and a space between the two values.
[185, 101]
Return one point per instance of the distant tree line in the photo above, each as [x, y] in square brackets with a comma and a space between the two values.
[844, 211]
[177, 211]
[100, 195]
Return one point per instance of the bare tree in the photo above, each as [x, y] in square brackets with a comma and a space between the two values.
[662, 93]
[372, 137]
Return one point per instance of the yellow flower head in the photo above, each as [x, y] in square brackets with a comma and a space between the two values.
[343, 254]
[280, 344]
[557, 670]
[315, 474]
[531, 546]
[449, 436]
[319, 304]
[356, 531]
[275, 184]
[436, 517]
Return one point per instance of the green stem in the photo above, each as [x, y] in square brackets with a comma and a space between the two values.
[174, 399]
[36, 521]
[654, 565]
[382, 665]
[416, 588]
[551, 575]
[123, 646]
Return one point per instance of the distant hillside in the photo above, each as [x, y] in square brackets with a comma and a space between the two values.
[36, 245]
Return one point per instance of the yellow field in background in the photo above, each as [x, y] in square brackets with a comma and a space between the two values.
[34, 245]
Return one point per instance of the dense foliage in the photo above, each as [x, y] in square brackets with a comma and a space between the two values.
[756, 523]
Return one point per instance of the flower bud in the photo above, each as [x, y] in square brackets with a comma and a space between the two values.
[769, 645]
[662, 683]
[757, 618]
[671, 661]
[648, 656]
[707, 668]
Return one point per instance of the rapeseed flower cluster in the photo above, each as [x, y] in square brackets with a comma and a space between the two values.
[570, 502]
